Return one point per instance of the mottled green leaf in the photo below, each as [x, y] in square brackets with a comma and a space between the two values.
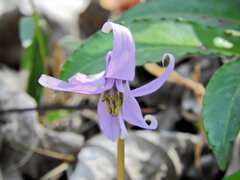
[70, 44]
[216, 13]
[153, 38]
[221, 112]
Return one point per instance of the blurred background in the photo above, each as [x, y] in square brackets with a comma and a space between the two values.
[55, 135]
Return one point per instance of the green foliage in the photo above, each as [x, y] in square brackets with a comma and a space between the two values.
[221, 113]
[70, 44]
[54, 115]
[32, 59]
[179, 27]
[27, 30]
[33, 62]
[215, 13]
[235, 176]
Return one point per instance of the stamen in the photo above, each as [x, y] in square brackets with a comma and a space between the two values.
[105, 96]
[121, 98]
[113, 103]
[119, 104]
[114, 108]
[108, 106]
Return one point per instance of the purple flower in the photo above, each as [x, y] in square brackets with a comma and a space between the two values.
[117, 102]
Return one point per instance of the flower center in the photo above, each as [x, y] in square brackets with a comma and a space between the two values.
[114, 102]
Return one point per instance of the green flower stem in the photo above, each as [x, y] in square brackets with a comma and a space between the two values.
[120, 160]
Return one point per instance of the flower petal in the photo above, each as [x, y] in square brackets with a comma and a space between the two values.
[91, 80]
[122, 126]
[132, 114]
[122, 63]
[153, 85]
[108, 124]
[60, 85]
[107, 60]
[123, 86]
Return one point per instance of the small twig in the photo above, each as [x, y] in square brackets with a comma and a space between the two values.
[197, 87]
[198, 148]
[199, 145]
[42, 151]
[47, 108]
[53, 154]
[66, 107]
[56, 171]
[25, 158]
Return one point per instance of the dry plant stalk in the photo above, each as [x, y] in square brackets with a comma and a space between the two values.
[198, 147]
[175, 78]
[55, 173]
[55, 155]
[57, 61]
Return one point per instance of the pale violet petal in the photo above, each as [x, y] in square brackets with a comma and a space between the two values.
[123, 86]
[107, 60]
[123, 133]
[91, 80]
[96, 76]
[153, 85]
[131, 113]
[60, 85]
[108, 124]
[122, 62]
[151, 121]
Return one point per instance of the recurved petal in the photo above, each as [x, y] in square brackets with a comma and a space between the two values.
[153, 85]
[132, 114]
[122, 62]
[60, 85]
[108, 124]
[91, 80]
